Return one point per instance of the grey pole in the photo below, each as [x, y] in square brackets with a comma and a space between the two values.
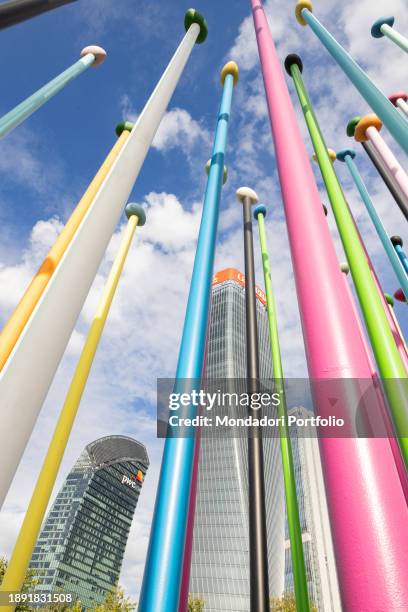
[258, 550]
[16, 11]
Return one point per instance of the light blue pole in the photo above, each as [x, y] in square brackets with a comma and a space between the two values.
[164, 563]
[347, 155]
[380, 104]
[384, 27]
[397, 242]
[19, 113]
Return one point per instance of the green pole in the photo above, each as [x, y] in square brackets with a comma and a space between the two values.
[390, 365]
[295, 531]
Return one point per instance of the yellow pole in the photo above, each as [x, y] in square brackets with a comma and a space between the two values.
[14, 577]
[16, 323]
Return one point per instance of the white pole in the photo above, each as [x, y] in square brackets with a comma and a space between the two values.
[403, 106]
[29, 371]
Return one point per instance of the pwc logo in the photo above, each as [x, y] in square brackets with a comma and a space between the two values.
[133, 480]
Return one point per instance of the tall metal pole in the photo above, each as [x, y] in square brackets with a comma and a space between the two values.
[16, 11]
[21, 314]
[399, 196]
[397, 243]
[347, 156]
[335, 349]
[380, 104]
[16, 571]
[292, 506]
[164, 564]
[47, 332]
[90, 56]
[399, 100]
[383, 27]
[258, 551]
[388, 358]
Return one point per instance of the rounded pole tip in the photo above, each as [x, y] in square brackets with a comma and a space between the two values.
[326, 212]
[303, 4]
[98, 52]
[389, 299]
[330, 153]
[246, 192]
[399, 295]
[259, 210]
[122, 126]
[224, 175]
[341, 155]
[133, 209]
[399, 95]
[232, 69]
[376, 27]
[345, 268]
[351, 126]
[396, 241]
[293, 58]
[362, 126]
[193, 16]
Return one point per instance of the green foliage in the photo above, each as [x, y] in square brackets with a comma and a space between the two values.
[287, 603]
[30, 583]
[195, 604]
[116, 602]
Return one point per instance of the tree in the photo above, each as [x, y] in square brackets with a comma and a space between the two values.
[31, 581]
[287, 603]
[116, 601]
[195, 604]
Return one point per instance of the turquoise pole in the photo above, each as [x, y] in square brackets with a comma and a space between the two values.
[378, 101]
[89, 56]
[347, 156]
[397, 243]
[384, 27]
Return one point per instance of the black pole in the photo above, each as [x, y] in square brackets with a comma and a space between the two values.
[387, 177]
[258, 549]
[15, 11]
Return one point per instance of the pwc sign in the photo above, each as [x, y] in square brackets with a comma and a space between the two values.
[133, 480]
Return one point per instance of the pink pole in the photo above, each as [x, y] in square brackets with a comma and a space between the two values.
[367, 506]
[388, 158]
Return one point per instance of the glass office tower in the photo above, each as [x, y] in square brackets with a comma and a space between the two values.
[220, 558]
[314, 517]
[82, 542]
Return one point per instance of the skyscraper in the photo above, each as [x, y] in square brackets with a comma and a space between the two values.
[220, 558]
[314, 518]
[82, 542]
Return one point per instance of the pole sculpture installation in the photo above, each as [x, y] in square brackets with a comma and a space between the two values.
[380, 104]
[47, 333]
[397, 243]
[89, 56]
[399, 100]
[385, 349]
[15, 325]
[347, 156]
[27, 538]
[383, 27]
[335, 349]
[164, 564]
[292, 507]
[382, 169]
[16, 11]
[390, 302]
[258, 551]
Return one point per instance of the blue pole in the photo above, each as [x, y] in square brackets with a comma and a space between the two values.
[92, 55]
[347, 155]
[397, 242]
[164, 563]
[378, 101]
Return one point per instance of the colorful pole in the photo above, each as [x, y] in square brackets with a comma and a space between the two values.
[397, 243]
[47, 332]
[27, 538]
[382, 169]
[292, 507]
[90, 56]
[380, 104]
[164, 564]
[390, 302]
[15, 325]
[347, 156]
[335, 349]
[258, 551]
[16, 11]
[389, 362]
[399, 100]
[383, 27]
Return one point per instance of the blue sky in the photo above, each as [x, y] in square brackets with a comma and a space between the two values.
[46, 164]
